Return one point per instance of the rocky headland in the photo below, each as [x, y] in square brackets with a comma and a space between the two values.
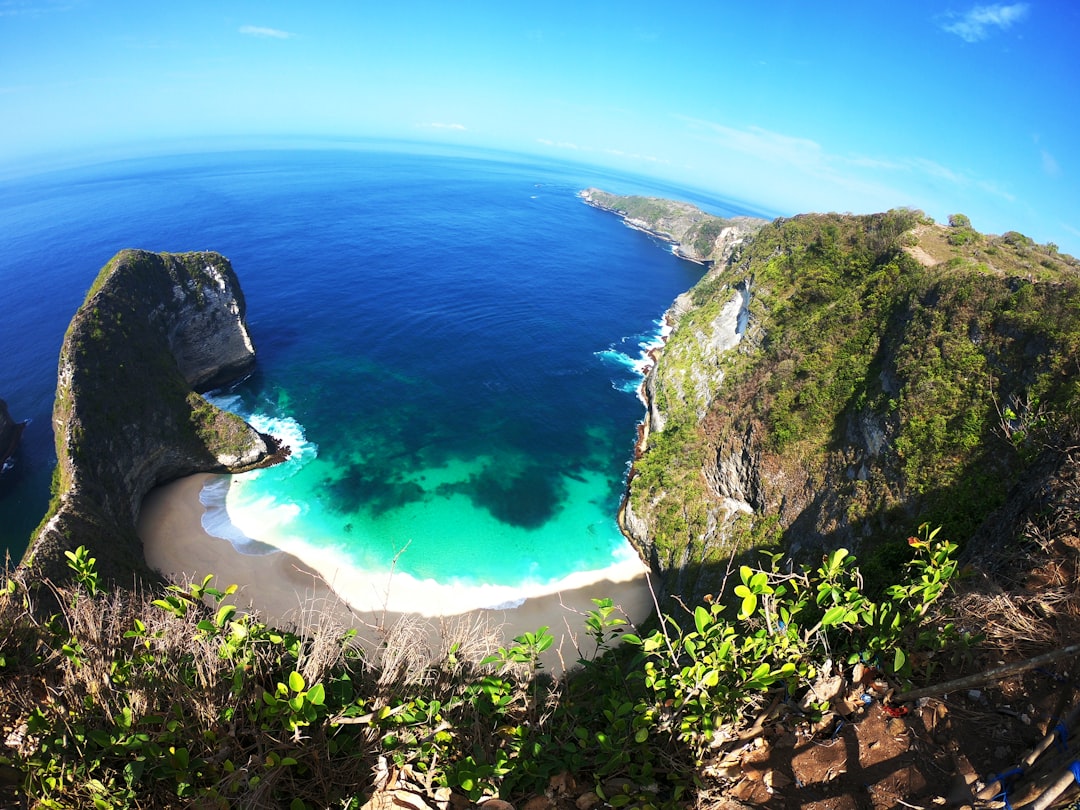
[837, 380]
[154, 330]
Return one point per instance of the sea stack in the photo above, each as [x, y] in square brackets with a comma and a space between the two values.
[154, 330]
[10, 433]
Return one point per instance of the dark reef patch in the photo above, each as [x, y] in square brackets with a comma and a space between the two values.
[527, 498]
[373, 487]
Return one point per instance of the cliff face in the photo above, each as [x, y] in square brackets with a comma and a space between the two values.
[153, 329]
[840, 380]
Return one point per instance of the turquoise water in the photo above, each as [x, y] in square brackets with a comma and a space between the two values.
[450, 346]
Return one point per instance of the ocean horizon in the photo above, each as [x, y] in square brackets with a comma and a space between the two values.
[450, 345]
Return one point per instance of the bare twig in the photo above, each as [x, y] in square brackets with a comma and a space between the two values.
[980, 678]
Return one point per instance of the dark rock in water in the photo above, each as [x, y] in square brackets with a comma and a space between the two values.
[10, 433]
[154, 329]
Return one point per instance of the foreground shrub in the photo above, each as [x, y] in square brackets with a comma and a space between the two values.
[129, 699]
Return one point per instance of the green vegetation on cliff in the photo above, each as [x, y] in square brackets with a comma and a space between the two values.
[889, 372]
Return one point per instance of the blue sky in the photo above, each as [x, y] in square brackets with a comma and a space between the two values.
[792, 106]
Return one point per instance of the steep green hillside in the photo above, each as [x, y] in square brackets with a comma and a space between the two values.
[888, 371]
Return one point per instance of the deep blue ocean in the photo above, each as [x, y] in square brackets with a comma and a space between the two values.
[450, 344]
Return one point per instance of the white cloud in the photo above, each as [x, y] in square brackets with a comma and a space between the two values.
[1050, 165]
[618, 153]
[813, 177]
[32, 8]
[771, 147]
[265, 33]
[439, 125]
[993, 188]
[978, 22]
[562, 144]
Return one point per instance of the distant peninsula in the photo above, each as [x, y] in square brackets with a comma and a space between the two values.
[692, 233]
[153, 331]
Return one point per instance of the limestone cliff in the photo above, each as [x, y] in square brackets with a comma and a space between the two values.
[838, 380]
[153, 329]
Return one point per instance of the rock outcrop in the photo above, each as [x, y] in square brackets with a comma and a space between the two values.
[10, 433]
[154, 329]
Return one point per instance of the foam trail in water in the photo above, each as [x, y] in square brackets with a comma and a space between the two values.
[638, 364]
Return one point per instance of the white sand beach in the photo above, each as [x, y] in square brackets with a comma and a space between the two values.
[287, 592]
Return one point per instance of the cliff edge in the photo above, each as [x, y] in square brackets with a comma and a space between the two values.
[154, 329]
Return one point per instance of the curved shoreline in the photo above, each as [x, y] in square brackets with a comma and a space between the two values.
[287, 591]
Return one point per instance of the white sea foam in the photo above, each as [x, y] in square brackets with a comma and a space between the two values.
[639, 363]
[283, 428]
[402, 593]
[242, 521]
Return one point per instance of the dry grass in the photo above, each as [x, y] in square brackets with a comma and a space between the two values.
[85, 665]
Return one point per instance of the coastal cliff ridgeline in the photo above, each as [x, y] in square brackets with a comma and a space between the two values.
[837, 380]
[154, 329]
[693, 234]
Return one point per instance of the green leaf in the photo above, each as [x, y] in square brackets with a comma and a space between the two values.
[759, 583]
[835, 560]
[899, 659]
[224, 615]
[133, 771]
[749, 601]
[702, 618]
[834, 615]
[317, 694]
[296, 681]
